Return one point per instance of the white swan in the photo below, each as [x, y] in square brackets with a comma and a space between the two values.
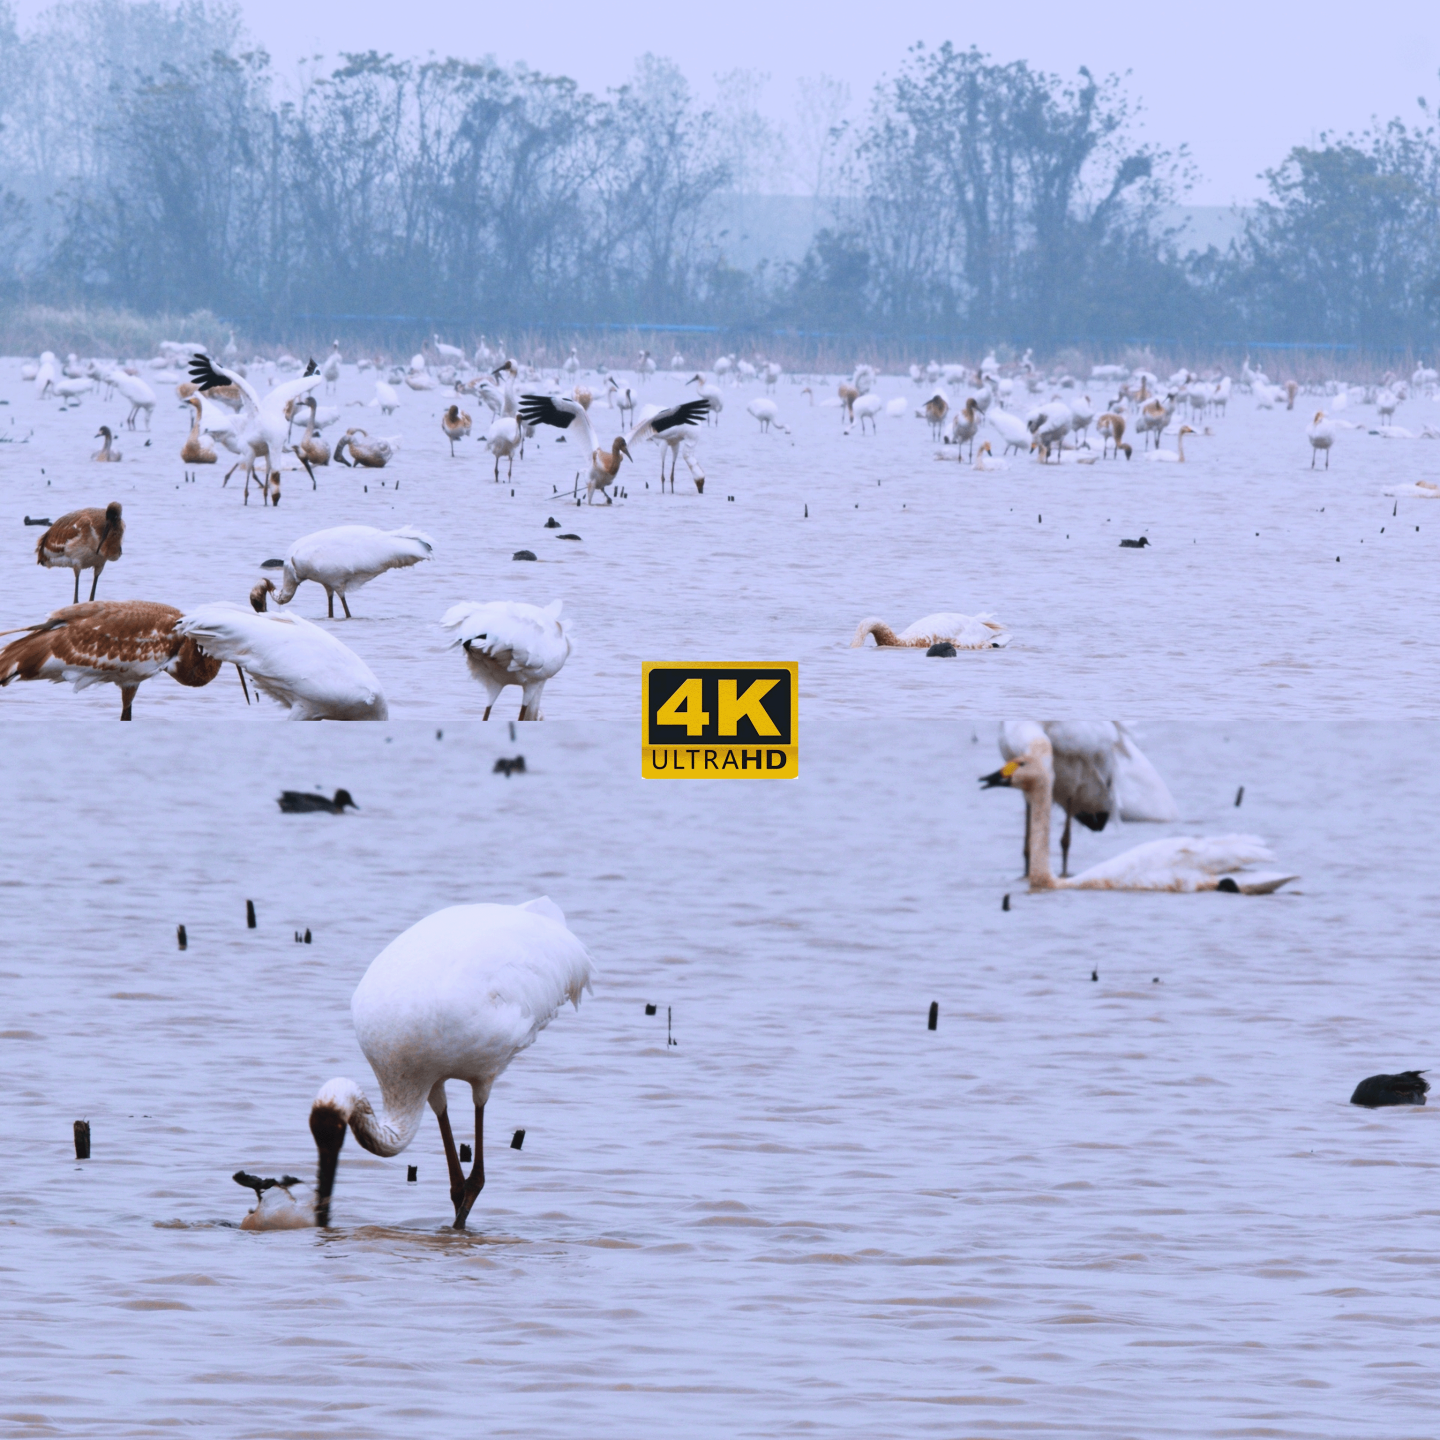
[1170, 457]
[347, 557]
[1013, 430]
[985, 460]
[964, 632]
[508, 642]
[302, 666]
[1321, 435]
[1098, 771]
[456, 997]
[1185, 863]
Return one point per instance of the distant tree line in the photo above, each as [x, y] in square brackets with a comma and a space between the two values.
[150, 158]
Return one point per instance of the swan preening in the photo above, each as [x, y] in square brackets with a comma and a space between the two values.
[1184, 863]
[964, 632]
[1098, 771]
[507, 642]
[456, 997]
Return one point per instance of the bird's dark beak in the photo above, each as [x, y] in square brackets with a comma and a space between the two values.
[327, 1125]
[1002, 776]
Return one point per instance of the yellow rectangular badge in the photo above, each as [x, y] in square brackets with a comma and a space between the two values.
[712, 721]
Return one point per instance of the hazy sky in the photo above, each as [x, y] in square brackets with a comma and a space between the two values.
[1239, 82]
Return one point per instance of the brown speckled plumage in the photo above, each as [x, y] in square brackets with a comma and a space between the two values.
[123, 642]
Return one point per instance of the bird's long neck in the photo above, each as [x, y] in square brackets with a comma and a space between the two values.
[1039, 796]
[883, 634]
[342, 1102]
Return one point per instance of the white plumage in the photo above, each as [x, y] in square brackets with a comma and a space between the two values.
[964, 632]
[508, 642]
[1184, 863]
[294, 662]
[1097, 771]
[349, 556]
[767, 412]
[456, 997]
[1012, 430]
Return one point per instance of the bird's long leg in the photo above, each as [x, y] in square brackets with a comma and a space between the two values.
[77, 586]
[99, 566]
[243, 685]
[330, 601]
[127, 697]
[345, 603]
[1027, 839]
[1065, 847]
[452, 1161]
[475, 1181]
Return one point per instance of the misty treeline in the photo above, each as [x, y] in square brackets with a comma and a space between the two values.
[152, 159]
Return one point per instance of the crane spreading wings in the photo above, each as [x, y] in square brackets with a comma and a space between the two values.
[561, 412]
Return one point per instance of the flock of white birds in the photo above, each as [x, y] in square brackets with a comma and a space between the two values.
[272, 421]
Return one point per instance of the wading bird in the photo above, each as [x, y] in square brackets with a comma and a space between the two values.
[347, 557]
[456, 997]
[508, 642]
[116, 642]
[604, 464]
[302, 666]
[82, 540]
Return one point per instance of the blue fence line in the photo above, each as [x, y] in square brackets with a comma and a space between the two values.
[790, 333]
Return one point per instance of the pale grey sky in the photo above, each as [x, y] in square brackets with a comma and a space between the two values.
[1240, 82]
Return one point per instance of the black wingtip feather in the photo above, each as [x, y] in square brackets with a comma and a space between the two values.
[204, 374]
[542, 410]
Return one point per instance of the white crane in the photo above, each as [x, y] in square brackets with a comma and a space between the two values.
[508, 642]
[767, 412]
[456, 997]
[1321, 435]
[294, 662]
[263, 424]
[605, 464]
[710, 393]
[349, 556]
[1049, 425]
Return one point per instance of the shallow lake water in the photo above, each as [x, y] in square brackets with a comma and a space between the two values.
[1138, 1205]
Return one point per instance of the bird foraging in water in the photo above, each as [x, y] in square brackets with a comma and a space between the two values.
[1408, 1087]
[302, 802]
[123, 642]
[508, 642]
[347, 557]
[83, 540]
[294, 662]
[456, 997]
[965, 632]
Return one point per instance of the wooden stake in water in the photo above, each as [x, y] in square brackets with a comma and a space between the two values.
[82, 1139]
[1239, 796]
[517, 1140]
[934, 1023]
[464, 1154]
[1005, 903]
[649, 1009]
[412, 1174]
[181, 939]
[669, 1038]
[249, 914]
